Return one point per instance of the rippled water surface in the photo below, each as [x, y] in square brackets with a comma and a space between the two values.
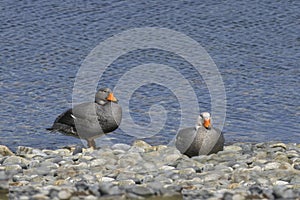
[255, 45]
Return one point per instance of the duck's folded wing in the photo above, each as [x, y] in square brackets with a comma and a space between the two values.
[64, 123]
[85, 111]
[185, 138]
[66, 118]
[82, 112]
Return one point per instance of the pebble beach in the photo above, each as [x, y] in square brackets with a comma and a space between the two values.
[141, 171]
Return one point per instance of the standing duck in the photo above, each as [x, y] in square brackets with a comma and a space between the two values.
[92, 119]
[202, 139]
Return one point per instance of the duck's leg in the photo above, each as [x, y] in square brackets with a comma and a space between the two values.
[91, 143]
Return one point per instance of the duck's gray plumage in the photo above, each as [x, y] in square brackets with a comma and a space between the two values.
[90, 120]
[199, 140]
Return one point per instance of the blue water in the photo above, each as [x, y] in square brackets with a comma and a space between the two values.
[255, 45]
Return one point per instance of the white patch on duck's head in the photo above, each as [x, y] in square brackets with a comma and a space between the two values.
[203, 120]
[205, 115]
[101, 102]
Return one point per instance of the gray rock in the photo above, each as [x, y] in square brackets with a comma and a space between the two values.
[90, 197]
[3, 176]
[136, 149]
[261, 155]
[141, 191]
[147, 178]
[247, 148]
[272, 166]
[187, 171]
[263, 181]
[119, 152]
[296, 166]
[227, 196]
[98, 162]
[197, 194]
[260, 145]
[49, 164]
[292, 154]
[81, 166]
[256, 190]
[212, 177]
[34, 164]
[129, 160]
[4, 181]
[126, 176]
[156, 186]
[126, 182]
[62, 152]
[280, 145]
[86, 158]
[56, 160]
[208, 167]
[240, 175]
[170, 154]
[109, 189]
[39, 197]
[173, 191]
[295, 180]
[12, 160]
[64, 194]
[283, 192]
[94, 189]
[89, 178]
[223, 169]
[81, 186]
[150, 166]
[13, 169]
[77, 150]
[162, 179]
[120, 146]
[233, 148]
[185, 162]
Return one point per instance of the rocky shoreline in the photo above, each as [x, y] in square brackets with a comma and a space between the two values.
[138, 171]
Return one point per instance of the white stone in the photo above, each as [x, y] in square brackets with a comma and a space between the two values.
[107, 179]
[281, 183]
[272, 165]
[165, 168]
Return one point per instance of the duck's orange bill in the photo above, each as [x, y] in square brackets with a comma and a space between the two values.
[111, 97]
[206, 123]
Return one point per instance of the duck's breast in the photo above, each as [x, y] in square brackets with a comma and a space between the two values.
[109, 116]
[213, 141]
